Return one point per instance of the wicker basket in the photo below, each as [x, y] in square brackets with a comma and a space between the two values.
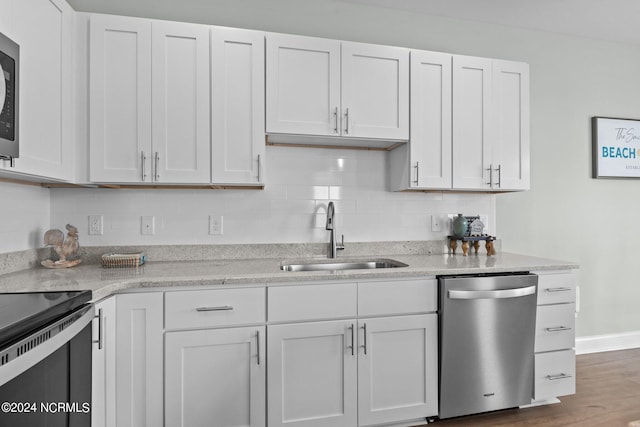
[123, 260]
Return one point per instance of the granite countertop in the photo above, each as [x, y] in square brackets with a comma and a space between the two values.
[235, 272]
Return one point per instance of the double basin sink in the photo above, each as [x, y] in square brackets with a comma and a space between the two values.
[334, 265]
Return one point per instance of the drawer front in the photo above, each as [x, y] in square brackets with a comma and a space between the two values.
[312, 302]
[555, 327]
[556, 288]
[214, 307]
[555, 374]
[397, 297]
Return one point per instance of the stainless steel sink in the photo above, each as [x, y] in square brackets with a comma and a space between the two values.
[334, 265]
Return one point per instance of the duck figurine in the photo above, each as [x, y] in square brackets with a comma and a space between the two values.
[65, 248]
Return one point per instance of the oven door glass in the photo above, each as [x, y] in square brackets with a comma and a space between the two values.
[56, 392]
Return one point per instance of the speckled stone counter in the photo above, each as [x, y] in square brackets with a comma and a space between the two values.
[237, 272]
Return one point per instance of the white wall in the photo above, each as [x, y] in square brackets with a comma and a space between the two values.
[292, 208]
[24, 216]
[567, 214]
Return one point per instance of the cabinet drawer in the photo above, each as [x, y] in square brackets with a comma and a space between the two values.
[312, 302]
[397, 297]
[214, 307]
[555, 374]
[555, 327]
[556, 288]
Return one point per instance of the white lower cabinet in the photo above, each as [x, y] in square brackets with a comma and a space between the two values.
[312, 374]
[353, 371]
[332, 354]
[215, 364]
[397, 369]
[555, 358]
[127, 361]
[103, 364]
[215, 377]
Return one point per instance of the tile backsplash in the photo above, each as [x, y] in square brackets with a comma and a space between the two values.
[292, 207]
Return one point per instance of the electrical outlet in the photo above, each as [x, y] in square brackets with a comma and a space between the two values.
[485, 220]
[215, 225]
[436, 224]
[147, 225]
[95, 225]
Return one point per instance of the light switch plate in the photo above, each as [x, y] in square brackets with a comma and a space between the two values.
[436, 224]
[147, 225]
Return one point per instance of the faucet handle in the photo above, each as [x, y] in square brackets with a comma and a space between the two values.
[340, 246]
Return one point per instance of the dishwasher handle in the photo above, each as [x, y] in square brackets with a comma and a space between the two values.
[497, 294]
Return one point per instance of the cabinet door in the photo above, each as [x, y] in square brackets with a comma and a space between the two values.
[180, 80]
[430, 144]
[237, 121]
[397, 369]
[511, 108]
[139, 361]
[44, 31]
[120, 99]
[215, 377]
[103, 365]
[375, 91]
[303, 85]
[312, 375]
[472, 123]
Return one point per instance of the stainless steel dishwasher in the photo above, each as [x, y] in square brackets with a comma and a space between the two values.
[487, 332]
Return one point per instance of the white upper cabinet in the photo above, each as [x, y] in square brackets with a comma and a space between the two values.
[425, 162]
[120, 99]
[44, 31]
[375, 91]
[303, 85]
[511, 112]
[180, 110]
[490, 124]
[237, 100]
[472, 122]
[326, 87]
[469, 125]
[132, 63]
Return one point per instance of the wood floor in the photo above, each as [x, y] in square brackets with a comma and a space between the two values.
[607, 394]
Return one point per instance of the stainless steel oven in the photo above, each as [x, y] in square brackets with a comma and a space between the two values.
[9, 93]
[45, 359]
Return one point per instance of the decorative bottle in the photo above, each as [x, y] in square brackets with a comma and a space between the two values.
[460, 226]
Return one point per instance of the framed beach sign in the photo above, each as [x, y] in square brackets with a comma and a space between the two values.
[616, 147]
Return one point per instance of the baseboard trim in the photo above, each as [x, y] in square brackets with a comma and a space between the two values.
[609, 342]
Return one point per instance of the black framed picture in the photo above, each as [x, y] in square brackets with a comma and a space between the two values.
[616, 147]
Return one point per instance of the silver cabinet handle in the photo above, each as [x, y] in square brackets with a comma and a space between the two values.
[346, 126]
[99, 340]
[557, 289]
[156, 162]
[143, 159]
[258, 345]
[365, 338]
[499, 169]
[219, 308]
[353, 339]
[499, 294]
[417, 181]
[259, 167]
[558, 377]
[490, 183]
[335, 116]
[557, 329]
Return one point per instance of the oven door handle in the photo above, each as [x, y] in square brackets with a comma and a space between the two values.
[17, 365]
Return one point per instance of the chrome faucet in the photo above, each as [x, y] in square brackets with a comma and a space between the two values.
[333, 246]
